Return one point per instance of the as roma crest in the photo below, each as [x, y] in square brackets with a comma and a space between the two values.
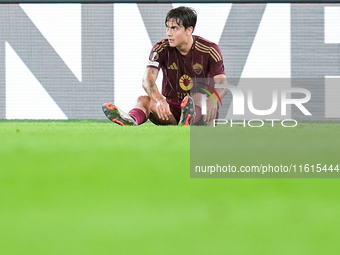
[197, 68]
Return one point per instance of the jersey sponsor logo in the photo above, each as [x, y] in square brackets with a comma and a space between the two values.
[173, 66]
[154, 56]
[185, 82]
[153, 63]
[181, 95]
[197, 68]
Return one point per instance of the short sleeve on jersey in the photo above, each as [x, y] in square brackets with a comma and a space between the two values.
[153, 60]
[216, 61]
[156, 54]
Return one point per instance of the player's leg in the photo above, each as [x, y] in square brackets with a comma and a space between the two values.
[145, 109]
[187, 111]
[118, 116]
[148, 107]
[173, 118]
[141, 111]
[136, 116]
[198, 120]
[192, 111]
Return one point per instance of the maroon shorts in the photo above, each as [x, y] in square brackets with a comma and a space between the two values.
[175, 109]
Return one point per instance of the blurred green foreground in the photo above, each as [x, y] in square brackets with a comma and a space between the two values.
[90, 187]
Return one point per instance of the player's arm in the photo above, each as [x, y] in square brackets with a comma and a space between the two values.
[150, 87]
[221, 79]
[211, 107]
[217, 72]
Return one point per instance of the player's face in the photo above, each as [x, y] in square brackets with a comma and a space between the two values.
[177, 35]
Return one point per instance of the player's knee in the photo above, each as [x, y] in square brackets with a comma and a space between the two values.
[143, 100]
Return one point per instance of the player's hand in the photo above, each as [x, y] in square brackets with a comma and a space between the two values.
[163, 109]
[211, 110]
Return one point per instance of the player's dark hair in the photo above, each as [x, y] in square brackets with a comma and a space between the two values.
[185, 16]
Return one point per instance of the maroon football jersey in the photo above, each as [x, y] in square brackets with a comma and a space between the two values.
[182, 73]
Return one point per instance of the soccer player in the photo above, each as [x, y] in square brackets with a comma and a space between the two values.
[184, 58]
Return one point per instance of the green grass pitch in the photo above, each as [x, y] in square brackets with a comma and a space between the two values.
[90, 187]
